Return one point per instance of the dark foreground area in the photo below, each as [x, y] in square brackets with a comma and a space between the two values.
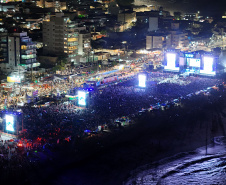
[194, 167]
[111, 158]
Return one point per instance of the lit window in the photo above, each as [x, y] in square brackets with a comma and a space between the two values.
[23, 47]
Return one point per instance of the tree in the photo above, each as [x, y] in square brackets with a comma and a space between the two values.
[114, 63]
[103, 32]
[177, 15]
[59, 67]
[62, 60]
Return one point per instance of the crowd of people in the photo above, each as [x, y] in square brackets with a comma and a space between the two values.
[126, 98]
[49, 85]
[61, 122]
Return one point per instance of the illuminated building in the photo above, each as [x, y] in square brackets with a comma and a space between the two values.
[84, 43]
[3, 47]
[18, 50]
[158, 41]
[60, 36]
[179, 39]
[6, 7]
[58, 5]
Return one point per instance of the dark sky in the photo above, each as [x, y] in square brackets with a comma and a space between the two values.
[207, 7]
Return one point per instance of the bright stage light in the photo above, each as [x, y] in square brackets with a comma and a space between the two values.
[171, 62]
[193, 62]
[142, 80]
[208, 66]
[81, 98]
[9, 123]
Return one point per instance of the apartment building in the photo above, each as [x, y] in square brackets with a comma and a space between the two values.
[17, 49]
[158, 41]
[179, 39]
[84, 43]
[153, 24]
[57, 5]
[60, 37]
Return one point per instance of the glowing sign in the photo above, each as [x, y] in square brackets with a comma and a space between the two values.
[13, 79]
[208, 66]
[142, 80]
[194, 62]
[9, 123]
[171, 62]
[189, 55]
[81, 98]
[121, 67]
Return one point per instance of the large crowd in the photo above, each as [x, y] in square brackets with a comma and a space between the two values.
[127, 98]
[61, 121]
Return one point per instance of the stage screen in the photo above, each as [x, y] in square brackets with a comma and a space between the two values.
[208, 66]
[171, 62]
[142, 80]
[81, 98]
[193, 62]
[9, 123]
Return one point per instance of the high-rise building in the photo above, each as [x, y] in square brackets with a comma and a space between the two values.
[60, 37]
[17, 49]
[153, 24]
[158, 41]
[84, 45]
[3, 47]
[179, 39]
